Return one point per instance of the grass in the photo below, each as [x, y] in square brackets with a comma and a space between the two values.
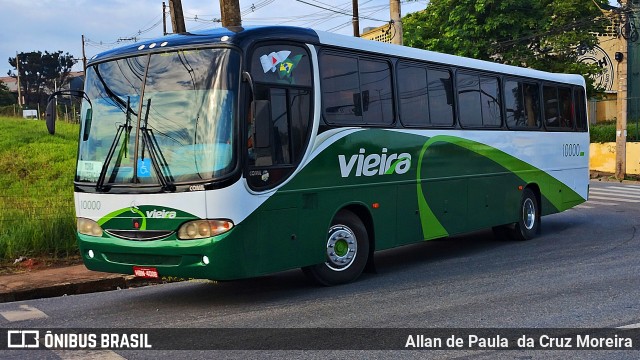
[37, 216]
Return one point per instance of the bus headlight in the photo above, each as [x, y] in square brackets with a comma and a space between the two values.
[200, 229]
[89, 227]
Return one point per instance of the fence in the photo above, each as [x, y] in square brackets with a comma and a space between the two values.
[69, 112]
[11, 111]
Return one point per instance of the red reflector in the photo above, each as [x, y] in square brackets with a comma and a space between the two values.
[520, 187]
[375, 205]
[145, 272]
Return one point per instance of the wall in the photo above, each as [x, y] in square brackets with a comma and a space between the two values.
[602, 157]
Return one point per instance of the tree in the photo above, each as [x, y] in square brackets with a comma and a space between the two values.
[546, 34]
[39, 71]
[6, 97]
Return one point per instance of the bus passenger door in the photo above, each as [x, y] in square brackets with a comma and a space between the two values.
[278, 124]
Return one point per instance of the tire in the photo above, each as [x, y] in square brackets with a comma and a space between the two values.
[529, 216]
[347, 250]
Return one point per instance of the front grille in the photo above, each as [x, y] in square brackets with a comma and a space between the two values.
[139, 235]
[141, 259]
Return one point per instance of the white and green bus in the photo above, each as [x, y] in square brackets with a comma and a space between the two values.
[232, 154]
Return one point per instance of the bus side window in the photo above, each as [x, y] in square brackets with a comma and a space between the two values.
[521, 104]
[567, 111]
[580, 112]
[469, 99]
[531, 94]
[551, 112]
[440, 97]
[479, 100]
[412, 95]
[356, 90]
[425, 96]
[340, 89]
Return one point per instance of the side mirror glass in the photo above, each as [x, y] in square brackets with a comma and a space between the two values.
[50, 116]
[87, 124]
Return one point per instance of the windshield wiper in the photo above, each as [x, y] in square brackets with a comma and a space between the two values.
[122, 128]
[158, 161]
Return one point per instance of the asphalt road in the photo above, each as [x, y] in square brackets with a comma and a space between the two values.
[582, 271]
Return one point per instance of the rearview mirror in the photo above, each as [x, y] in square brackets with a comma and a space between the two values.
[87, 124]
[50, 116]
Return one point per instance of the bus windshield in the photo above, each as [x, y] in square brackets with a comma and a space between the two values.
[180, 108]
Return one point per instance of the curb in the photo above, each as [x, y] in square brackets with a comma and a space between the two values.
[609, 177]
[82, 287]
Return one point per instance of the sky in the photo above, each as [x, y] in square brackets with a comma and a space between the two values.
[48, 25]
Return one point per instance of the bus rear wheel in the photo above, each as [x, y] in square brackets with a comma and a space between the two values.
[347, 249]
[529, 215]
[528, 224]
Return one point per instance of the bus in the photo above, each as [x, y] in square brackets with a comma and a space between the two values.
[235, 153]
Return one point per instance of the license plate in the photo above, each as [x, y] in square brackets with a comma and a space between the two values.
[145, 272]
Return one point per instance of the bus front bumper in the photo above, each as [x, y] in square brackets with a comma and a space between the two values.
[217, 258]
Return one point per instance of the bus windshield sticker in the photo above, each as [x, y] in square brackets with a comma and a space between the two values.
[144, 167]
[89, 170]
[271, 61]
[281, 62]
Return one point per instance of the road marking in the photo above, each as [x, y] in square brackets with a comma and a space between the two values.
[630, 326]
[584, 207]
[628, 188]
[88, 354]
[616, 193]
[26, 312]
[632, 185]
[614, 199]
[599, 202]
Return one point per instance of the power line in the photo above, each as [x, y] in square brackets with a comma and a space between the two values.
[338, 12]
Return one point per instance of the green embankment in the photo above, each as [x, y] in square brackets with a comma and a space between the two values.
[37, 216]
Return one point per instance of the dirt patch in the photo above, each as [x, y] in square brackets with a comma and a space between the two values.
[24, 264]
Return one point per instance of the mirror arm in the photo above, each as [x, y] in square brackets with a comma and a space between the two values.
[247, 77]
[50, 115]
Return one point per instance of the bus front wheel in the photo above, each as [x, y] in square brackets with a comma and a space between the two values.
[347, 249]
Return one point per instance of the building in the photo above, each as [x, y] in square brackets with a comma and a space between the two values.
[11, 83]
[75, 81]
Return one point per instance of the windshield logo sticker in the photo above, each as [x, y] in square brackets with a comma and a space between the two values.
[134, 207]
[374, 164]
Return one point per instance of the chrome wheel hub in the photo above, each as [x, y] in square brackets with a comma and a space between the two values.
[528, 214]
[342, 248]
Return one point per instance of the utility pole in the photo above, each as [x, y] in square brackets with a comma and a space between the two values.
[621, 101]
[396, 22]
[84, 58]
[177, 17]
[164, 18]
[230, 13]
[18, 80]
[356, 19]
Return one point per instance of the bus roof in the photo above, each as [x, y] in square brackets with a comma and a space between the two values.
[244, 36]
